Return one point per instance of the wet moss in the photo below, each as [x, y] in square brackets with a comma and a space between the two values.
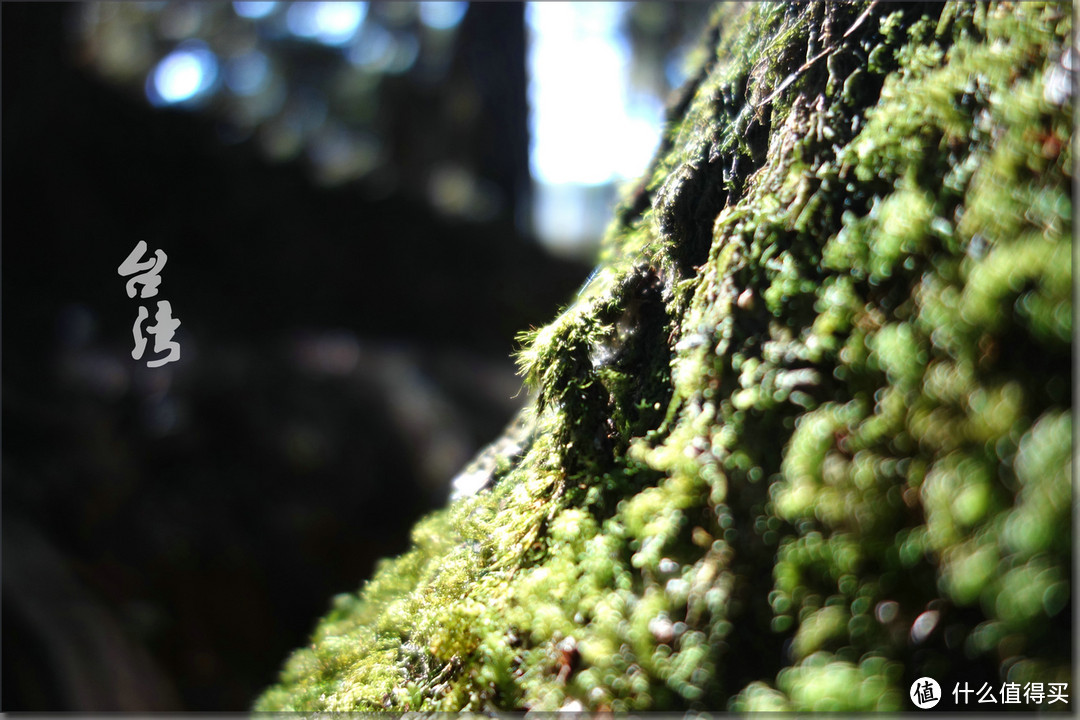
[806, 436]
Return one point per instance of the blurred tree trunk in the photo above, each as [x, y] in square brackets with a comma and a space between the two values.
[494, 50]
[805, 437]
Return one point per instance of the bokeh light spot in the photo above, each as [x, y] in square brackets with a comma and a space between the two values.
[442, 15]
[248, 73]
[253, 10]
[374, 50]
[406, 50]
[331, 23]
[184, 74]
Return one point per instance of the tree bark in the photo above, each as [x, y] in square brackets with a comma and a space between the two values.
[805, 437]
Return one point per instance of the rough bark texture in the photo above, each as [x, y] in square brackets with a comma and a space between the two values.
[806, 435]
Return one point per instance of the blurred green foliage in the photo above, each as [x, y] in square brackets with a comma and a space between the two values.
[806, 436]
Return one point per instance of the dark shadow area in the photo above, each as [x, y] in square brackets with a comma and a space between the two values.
[170, 533]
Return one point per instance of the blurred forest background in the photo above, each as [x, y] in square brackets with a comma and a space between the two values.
[361, 205]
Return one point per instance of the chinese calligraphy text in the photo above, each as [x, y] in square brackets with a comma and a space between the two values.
[146, 273]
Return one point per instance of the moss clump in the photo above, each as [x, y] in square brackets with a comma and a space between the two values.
[806, 436]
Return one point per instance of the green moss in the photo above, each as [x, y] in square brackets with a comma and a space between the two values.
[819, 388]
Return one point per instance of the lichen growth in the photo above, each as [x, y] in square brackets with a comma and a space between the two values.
[806, 436]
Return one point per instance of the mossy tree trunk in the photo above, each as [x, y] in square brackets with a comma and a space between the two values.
[806, 435]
